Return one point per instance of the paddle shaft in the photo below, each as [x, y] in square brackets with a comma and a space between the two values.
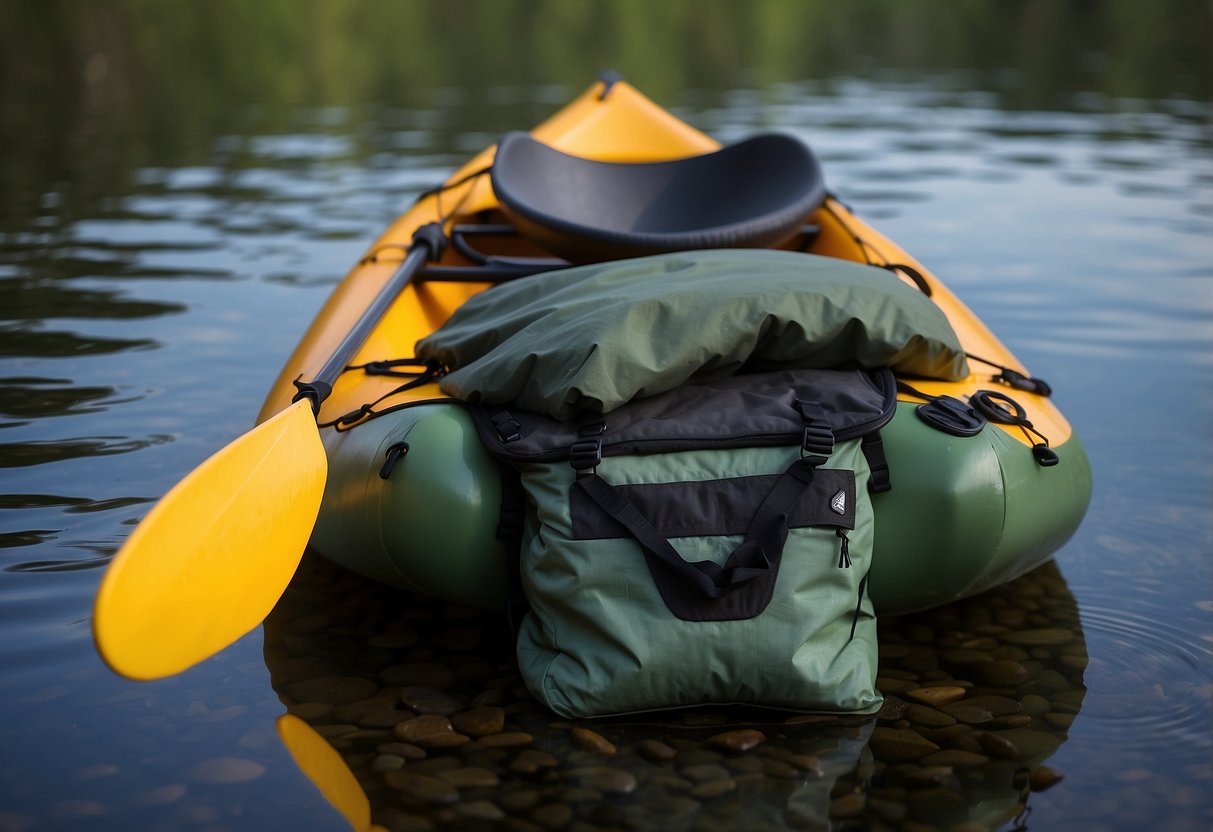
[428, 243]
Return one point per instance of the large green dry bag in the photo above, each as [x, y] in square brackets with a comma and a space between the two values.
[708, 545]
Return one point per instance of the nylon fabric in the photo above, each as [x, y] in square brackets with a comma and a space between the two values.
[616, 626]
[594, 337]
[599, 640]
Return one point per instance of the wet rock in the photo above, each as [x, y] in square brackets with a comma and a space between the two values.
[937, 695]
[516, 824]
[676, 806]
[704, 773]
[1052, 681]
[433, 765]
[470, 777]
[738, 741]
[422, 726]
[442, 739]
[334, 730]
[892, 709]
[781, 770]
[745, 764]
[713, 788]
[422, 786]
[403, 749]
[947, 734]
[1047, 636]
[805, 762]
[522, 800]
[847, 806]
[669, 782]
[332, 690]
[1035, 705]
[480, 810]
[309, 711]
[889, 684]
[613, 781]
[354, 711]
[965, 656]
[927, 776]
[394, 639]
[552, 815]
[1003, 673]
[955, 758]
[999, 723]
[1030, 742]
[996, 705]
[926, 717]
[998, 746]
[1044, 777]
[894, 811]
[1010, 616]
[896, 744]
[655, 751]
[385, 718]
[531, 760]
[506, 739]
[387, 762]
[479, 722]
[1060, 721]
[593, 742]
[424, 700]
[968, 714]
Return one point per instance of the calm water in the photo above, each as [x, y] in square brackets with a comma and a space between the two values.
[175, 212]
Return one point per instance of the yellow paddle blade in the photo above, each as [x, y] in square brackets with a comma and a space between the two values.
[212, 558]
[325, 767]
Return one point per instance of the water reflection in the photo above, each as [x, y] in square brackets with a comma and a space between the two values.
[424, 704]
[32, 398]
[27, 454]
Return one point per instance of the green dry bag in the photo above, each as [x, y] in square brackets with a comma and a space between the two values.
[709, 545]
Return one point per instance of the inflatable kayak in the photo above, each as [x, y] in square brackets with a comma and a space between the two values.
[989, 478]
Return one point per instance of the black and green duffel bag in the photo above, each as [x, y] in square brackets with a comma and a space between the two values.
[707, 545]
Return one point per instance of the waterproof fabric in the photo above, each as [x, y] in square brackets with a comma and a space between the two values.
[595, 337]
[602, 637]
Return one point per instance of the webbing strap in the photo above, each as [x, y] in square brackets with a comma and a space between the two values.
[704, 590]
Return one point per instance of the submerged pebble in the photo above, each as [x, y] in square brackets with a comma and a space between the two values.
[448, 737]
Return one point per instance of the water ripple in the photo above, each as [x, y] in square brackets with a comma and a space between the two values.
[1149, 680]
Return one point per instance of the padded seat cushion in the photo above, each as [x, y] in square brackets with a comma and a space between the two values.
[754, 194]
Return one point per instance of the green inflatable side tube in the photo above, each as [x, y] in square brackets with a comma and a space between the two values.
[964, 514]
[431, 525]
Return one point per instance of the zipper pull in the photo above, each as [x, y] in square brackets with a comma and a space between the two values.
[844, 555]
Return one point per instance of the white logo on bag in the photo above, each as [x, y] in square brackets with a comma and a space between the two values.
[839, 502]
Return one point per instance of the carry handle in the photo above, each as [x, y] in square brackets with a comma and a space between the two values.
[690, 588]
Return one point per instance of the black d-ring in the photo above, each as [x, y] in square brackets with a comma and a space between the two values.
[998, 407]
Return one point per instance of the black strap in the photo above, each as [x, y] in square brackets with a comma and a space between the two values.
[704, 590]
[872, 446]
[509, 532]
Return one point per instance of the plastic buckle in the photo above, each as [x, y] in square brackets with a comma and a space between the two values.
[508, 428]
[817, 440]
[586, 453]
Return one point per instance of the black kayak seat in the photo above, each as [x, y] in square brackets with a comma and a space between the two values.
[754, 194]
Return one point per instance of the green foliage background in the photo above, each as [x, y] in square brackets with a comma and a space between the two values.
[94, 90]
